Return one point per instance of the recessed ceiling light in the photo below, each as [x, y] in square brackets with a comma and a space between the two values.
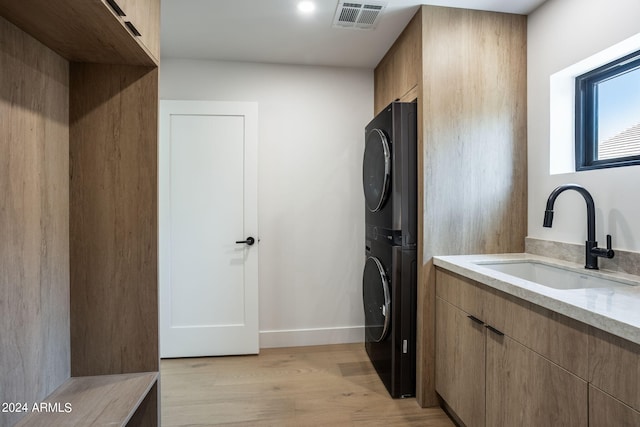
[306, 6]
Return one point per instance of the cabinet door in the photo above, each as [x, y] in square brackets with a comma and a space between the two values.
[145, 17]
[460, 363]
[605, 411]
[614, 366]
[525, 389]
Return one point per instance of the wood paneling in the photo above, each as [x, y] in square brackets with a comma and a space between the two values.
[614, 366]
[397, 76]
[525, 389]
[460, 354]
[34, 228]
[605, 411]
[474, 69]
[334, 385]
[113, 216]
[87, 31]
[472, 165]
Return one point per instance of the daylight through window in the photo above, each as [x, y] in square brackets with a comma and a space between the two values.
[608, 115]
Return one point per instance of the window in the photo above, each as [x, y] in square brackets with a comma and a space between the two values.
[608, 115]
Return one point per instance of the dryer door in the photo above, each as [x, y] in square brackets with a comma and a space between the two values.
[376, 169]
[377, 300]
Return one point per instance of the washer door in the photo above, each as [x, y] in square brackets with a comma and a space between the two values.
[377, 300]
[376, 169]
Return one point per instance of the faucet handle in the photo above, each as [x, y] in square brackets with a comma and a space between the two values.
[602, 252]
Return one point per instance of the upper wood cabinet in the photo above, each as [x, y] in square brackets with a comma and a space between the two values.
[87, 30]
[398, 74]
[142, 17]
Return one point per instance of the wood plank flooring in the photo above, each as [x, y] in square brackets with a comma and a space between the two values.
[333, 385]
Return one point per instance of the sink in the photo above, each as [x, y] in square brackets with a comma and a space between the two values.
[551, 276]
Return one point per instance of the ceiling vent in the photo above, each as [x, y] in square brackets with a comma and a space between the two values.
[363, 16]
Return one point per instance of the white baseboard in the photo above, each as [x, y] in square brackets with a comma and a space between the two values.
[316, 336]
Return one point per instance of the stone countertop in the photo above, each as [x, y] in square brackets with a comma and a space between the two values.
[613, 309]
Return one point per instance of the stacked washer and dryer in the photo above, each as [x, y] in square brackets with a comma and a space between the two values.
[390, 275]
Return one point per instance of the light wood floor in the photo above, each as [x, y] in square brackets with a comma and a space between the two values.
[332, 385]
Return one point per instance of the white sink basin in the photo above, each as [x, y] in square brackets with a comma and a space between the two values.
[551, 276]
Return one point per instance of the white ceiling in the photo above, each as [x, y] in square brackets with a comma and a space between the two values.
[273, 31]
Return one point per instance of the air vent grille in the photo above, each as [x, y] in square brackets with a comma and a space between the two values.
[362, 16]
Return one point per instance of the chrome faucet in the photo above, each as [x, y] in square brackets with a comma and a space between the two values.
[592, 251]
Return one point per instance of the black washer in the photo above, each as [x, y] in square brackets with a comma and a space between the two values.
[377, 300]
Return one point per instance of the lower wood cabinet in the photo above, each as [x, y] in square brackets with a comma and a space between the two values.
[460, 363]
[488, 378]
[606, 411]
[525, 389]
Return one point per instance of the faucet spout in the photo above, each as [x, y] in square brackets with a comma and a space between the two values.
[591, 209]
[592, 252]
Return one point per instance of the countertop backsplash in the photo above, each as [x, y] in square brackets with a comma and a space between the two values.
[623, 261]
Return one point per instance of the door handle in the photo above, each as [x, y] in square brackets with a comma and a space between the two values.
[250, 241]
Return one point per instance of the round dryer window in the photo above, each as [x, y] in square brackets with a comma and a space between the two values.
[376, 169]
[377, 301]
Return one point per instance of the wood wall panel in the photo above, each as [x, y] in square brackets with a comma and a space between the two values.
[474, 117]
[34, 228]
[113, 215]
[473, 161]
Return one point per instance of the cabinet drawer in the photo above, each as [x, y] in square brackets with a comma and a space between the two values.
[605, 411]
[560, 339]
[614, 366]
[464, 293]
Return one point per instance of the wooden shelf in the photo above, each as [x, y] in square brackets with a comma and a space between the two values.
[100, 400]
[80, 31]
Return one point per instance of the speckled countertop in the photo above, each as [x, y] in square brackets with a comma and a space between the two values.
[614, 309]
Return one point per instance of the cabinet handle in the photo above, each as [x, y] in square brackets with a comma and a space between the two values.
[494, 330]
[132, 28]
[475, 319]
[117, 9]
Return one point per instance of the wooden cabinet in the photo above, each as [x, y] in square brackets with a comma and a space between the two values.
[606, 411]
[614, 374]
[398, 74]
[78, 138]
[489, 378]
[463, 67]
[142, 18]
[614, 367]
[526, 389]
[460, 377]
[501, 361]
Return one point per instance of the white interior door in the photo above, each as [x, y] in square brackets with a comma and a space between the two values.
[208, 202]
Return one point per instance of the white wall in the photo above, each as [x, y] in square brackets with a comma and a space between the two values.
[561, 33]
[311, 207]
